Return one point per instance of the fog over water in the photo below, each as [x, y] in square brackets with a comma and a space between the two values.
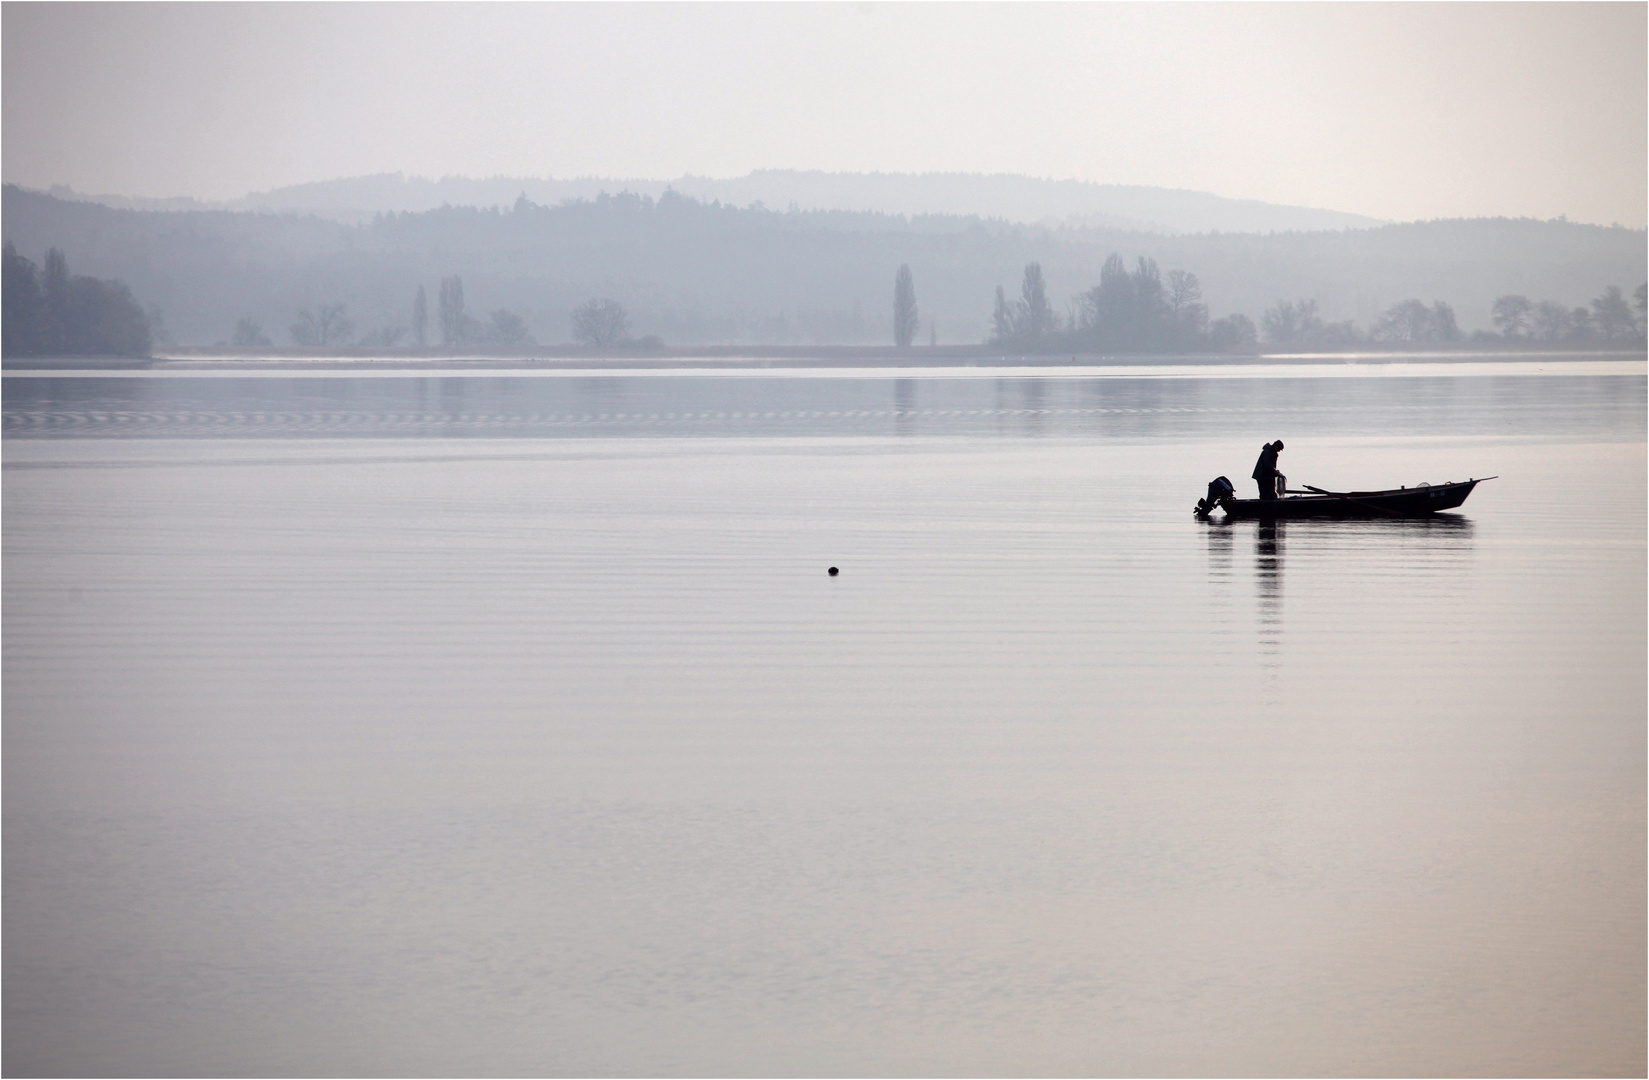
[657, 540]
[512, 725]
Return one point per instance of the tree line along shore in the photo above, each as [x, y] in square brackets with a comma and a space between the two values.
[50, 313]
[617, 275]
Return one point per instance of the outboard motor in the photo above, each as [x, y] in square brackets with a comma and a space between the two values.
[1219, 489]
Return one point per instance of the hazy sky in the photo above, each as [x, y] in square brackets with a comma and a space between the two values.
[1395, 110]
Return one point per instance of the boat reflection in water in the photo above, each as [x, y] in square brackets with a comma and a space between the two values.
[1346, 559]
[1268, 575]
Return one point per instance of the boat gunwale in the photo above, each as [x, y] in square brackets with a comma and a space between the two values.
[1398, 491]
[1358, 502]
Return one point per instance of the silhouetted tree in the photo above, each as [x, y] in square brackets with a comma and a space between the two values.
[1133, 310]
[330, 327]
[1129, 310]
[600, 323]
[1029, 319]
[1640, 301]
[905, 319]
[1234, 333]
[157, 324]
[1411, 322]
[55, 289]
[505, 327]
[1551, 321]
[249, 334]
[1442, 316]
[1002, 318]
[420, 316]
[1294, 323]
[1035, 317]
[1511, 315]
[103, 319]
[54, 314]
[1612, 315]
[455, 324]
[1338, 333]
[1190, 314]
[24, 307]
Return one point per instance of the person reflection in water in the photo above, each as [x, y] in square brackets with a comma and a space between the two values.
[1268, 573]
[1265, 470]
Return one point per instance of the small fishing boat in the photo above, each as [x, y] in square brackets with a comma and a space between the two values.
[1315, 502]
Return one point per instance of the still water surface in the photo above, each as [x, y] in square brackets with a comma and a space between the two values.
[548, 747]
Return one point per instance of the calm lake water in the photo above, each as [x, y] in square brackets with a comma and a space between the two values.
[511, 725]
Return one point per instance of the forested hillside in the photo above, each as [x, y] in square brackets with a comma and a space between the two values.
[695, 272]
[1024, 199]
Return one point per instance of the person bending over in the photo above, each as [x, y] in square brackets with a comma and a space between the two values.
[1265, 470]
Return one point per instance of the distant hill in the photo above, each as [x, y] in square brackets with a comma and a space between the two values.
[695, 272]
[1022, 199]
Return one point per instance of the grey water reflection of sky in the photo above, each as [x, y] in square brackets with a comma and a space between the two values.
[1400, 111]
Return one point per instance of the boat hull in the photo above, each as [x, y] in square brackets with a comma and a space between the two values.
[1401, 502]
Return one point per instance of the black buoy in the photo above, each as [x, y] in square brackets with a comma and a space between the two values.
[834, 571]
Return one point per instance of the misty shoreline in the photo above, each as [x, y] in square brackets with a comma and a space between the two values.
[756, 357]
[697, 276]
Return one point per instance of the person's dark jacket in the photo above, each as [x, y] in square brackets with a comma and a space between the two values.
[1266, 467]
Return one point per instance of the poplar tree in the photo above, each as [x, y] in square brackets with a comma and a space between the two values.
[453, 319]
[905, 318]
[1036, 316]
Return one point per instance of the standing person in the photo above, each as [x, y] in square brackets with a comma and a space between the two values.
[1265, 469]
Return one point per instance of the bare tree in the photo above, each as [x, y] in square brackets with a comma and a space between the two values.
[1183, 290]
[1185, 302]
[1552, 321]
[600, 323]
[1077, 315]
[1512, 314]
[1280, 322]
[1295, 323]
[905, 319]
[420, 316]
[330, 327]
[249, 334]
